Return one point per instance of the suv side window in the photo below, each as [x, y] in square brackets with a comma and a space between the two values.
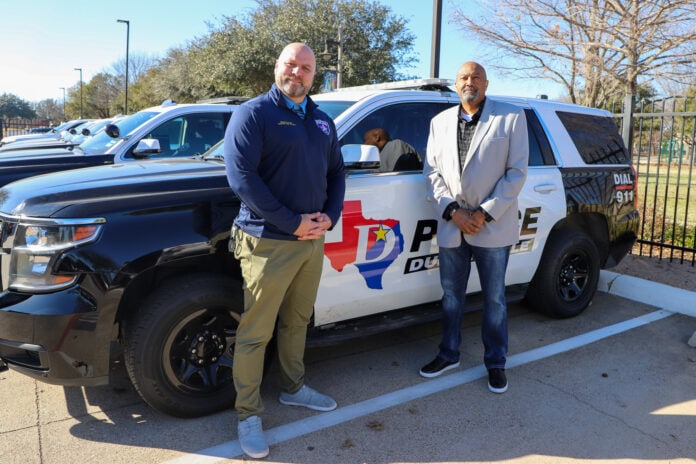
[540, 152]
[595, 138]
[189, 135]
[407, 122]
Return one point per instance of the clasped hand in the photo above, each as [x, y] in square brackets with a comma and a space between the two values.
[313, 226]
[469, 221]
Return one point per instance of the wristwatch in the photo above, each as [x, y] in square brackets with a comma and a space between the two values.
[450, 210]
[454, 210]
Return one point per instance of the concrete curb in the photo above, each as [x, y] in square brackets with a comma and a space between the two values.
[660, 295]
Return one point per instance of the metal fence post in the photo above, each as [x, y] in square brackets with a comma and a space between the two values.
[627, 122]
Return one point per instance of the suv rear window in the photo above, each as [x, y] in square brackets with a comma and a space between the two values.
[596, 138]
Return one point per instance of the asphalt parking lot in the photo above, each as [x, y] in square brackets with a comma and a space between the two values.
[616, 384]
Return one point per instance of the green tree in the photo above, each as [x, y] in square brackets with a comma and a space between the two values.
[102, 96]
[11, 106]
[72, 102]
[175, 78]
[99, 98]
[237, 56]
[149, 90]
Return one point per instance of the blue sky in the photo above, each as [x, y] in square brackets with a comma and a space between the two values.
[42, 41]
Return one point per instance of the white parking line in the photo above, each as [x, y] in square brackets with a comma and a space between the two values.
[312, 424]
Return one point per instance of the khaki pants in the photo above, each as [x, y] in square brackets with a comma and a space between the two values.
[281, 278]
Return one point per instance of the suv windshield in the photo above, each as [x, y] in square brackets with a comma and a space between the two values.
[101, 142]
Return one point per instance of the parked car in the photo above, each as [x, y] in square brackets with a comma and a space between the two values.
[38, 130]
[136, 255]
[68, 139]
[165, 131]
[51, 134]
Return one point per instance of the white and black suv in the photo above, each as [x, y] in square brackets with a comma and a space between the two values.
[137, 253]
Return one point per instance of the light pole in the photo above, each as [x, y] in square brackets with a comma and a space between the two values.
[127, 23]
[437, 34]
[63, 89]
[80, 69]
[326, 54]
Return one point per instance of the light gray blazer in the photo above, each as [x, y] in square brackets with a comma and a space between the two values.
[494, 172]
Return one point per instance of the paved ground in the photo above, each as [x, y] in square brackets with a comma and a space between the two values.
[616, 384]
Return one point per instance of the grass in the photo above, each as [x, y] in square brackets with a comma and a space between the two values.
[667, 203]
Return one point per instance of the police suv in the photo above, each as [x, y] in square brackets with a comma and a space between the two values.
[136, 255]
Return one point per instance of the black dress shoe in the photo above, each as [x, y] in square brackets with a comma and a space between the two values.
[437, 367]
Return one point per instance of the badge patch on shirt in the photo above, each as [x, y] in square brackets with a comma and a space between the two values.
[323, 126]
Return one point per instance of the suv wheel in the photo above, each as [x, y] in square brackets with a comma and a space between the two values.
[179, 347]
[566, 280]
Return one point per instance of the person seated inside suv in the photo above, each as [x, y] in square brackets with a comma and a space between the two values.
[394, 155]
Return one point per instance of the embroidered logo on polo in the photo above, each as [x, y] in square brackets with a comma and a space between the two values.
[370, 244]
[323, 126]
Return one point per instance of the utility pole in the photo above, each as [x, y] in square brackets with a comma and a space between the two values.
[437, 33]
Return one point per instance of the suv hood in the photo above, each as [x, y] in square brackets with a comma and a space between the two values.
[87, 192]
[12, 156]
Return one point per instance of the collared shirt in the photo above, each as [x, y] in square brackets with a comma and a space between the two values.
[465, 131]
[296, 107]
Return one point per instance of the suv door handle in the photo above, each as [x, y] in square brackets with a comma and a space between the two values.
[545, 188]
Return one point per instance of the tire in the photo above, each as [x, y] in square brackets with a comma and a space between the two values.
[179, 347]
[566, 280]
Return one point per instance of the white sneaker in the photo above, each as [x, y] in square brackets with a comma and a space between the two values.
[251, 438]
[309, 398]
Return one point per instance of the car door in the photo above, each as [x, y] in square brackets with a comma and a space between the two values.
[382, 254]
[541, 205]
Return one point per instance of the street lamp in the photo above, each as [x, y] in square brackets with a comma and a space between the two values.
[63, 89]
[327, 55]
[80, 69]
[127, 23]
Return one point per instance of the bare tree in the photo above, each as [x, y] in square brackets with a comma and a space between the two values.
[138, 64]
[596, 49]
[49, 109]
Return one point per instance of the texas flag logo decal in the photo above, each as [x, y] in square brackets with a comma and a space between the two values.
[370, 244]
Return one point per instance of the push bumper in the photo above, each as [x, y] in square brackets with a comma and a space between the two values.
[57, 338]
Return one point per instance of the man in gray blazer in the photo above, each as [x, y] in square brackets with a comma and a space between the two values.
[475, 167]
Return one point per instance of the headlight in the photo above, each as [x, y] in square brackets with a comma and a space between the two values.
[36, 248]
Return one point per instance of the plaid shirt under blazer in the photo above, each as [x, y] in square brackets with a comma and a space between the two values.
[494, 172]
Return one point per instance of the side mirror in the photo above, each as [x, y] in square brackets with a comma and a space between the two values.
[360, 156]
[112, 131]
[146, 147]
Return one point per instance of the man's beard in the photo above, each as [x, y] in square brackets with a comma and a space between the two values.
[292, 89]
[470, 97]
